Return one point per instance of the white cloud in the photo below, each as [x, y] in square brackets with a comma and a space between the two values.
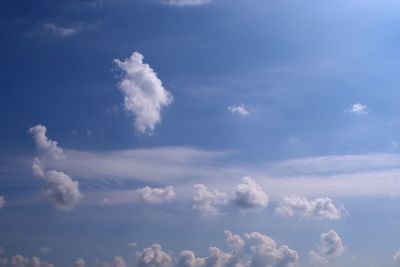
[252, 250]
[359, 109]
[155, 195]
[319, 208]
[240, 110]
[250, 195]
[331, 244]
[182, 3]
[60, 190]
[154, 256]
[2, 202]
[45, 145]
[144, 94]
[396, 257]
[118, 262]
[207, 201]
[60, 31]
[79, 262]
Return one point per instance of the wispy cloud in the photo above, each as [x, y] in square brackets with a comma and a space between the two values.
[183, 3]
[59, 30]
[240, 110]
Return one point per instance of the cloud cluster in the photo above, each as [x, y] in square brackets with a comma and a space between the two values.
[144, 94]
[247, 196]
[319, 208]
[60, 190]
[250, 195]
[22, 261]
[208, 201]
[240, 110]
[330, 245]
[251, 249]
[155, 195]
[396, 257]
[45, 145]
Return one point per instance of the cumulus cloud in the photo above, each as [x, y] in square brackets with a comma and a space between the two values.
[44, 144]
[359, 109]
[240, 110]
[154, 256]
[2, 202]
[155, 195]
[207, 201]
[182, 3]
[21, 261]
[319, 208]
[251, 249]
[61, 191]
[396, 257]
[250, 195]
[144, 94]
[79, 262]
[330, 245]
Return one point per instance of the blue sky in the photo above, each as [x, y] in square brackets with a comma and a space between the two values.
[199, 133]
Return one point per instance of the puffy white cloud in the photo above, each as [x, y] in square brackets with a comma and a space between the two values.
[359, 109]
[2, 202]
[240, 110]
[144, 94]
[396, 257]
[207, 201]
[154, 256]
[188, 259]
[47, 146]
[331, 243]
[61, 191]
[79, 262]
[250, 195]
[319, 208]
[182, 3]
[155, 195]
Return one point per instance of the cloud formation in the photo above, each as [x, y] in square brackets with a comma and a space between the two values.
[207, 201]
[154, 256]
[359, 109]
[251, 249]
[319, 208]
[250, 195]
[44, 144]
[144, 94]
[330, 245]
[22, 261]
[240, 110]
[60, 190]
[396, 257]
[60, 31]
[155, 195]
